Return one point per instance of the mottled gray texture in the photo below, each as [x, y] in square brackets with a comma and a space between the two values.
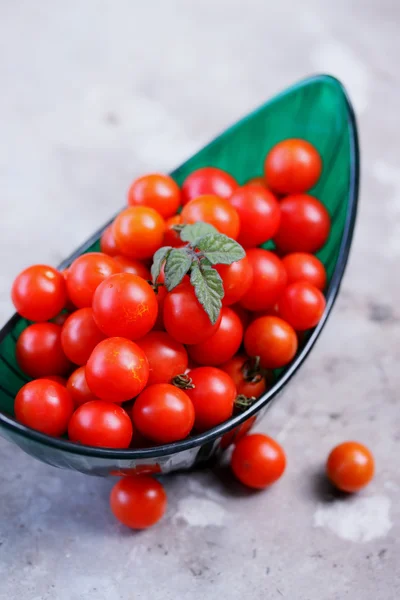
[94, 92]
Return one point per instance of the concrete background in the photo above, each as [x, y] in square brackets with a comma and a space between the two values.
[95, 92]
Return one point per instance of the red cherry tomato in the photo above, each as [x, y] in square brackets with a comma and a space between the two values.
[39, 293]
[161, 293]
[57, 379]
[78, 387]
[139, 231]
[350, 466]
[208, 180]
[301, 266]
[216, 211]
[213, 396]
[61, 318]
[259, 215]
[248, 379]
[269, 280]
[138, 502]
[99, 423]
[292, 167]
[163, 413]
[117, 370]
[243, 314]
[80, 335]
[157, 191]
[236, 434]
[258, 461]
[167, 357]
[107, 242]
[184, 318]
[237, 279]
[86, 273]
[301, 305]
[44, 405]
[305, 224]
[135, 267]
[172, 237]
[273, 340]
[257, 181]
[125, 305]
[39, 351]
[223, 344]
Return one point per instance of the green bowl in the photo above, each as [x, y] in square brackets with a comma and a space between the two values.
[316, 109]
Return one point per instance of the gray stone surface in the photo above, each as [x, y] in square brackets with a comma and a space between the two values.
[94, 92]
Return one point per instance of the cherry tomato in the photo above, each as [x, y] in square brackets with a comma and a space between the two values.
[107, 242]
[44, 405]
[139, 231]
[208, 180]
[39, 351]
[99, 423]
[236, 434]
[86, 273]
[301, 305]
[138, 502]
[350, 466]
[237, 279]
[223, 344]
[247, 377]
[273, 340]
[213, 396]
[259, 214]
[57, 379]
[269, 280]
[39, 293]
[135, 267]
[257, 181]
[80, 335]
[157, 191]
[125, 305]
[172, 237]
[243, 314]
[292, 167]
[61, 318]
[305, 224]
[301, 266]
[117, 370]
[184, 318]
[167, 357]
[258, 460]
[78, 387]
[216, 211]
[161, 293]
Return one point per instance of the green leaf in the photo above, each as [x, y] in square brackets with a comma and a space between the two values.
[177, 265]
[219, 249]
[208, 289]
[158, 259]
[193, 233]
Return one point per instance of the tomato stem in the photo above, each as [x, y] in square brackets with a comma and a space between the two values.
[243, 402]
[183, 382]
[251, 370]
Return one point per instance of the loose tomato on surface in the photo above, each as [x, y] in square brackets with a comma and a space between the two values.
[157, 191]
[259, 214]
[135, 267]
[208, 180]
[302, 266]
[85, 275]
[215, 211]
[350, 466]
[269, 280]
[273, 340]
[237, 279]
[258, 461]
[117, 370]
[45, 406]
[138, 502]
[139, 232]
[172, 237]
[246, 375]
[223, 344]
[293, 166]
[78, 387]
[167, 357]
[102, 424]
[107, 242]
[39, 351]
[79, 336]
[301, 305]
[39, 293]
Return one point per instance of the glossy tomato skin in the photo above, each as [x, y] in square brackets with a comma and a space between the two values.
[302, 266]
[237, 279]
[273, 340]
[57, 379]
[85, 274]
[80, 335]
[135, 267]
[125, 305]
[215, 211]
[102, 424]
[138, 502]
[259, 215]
[305, 224]
[78, 387]
[269, 280]
[184, 318]
[107, 242]
[161, 293]
[208, 180]
[213, 396]
[301, 305]
[117, 370]
[39, 351]
[39, 293]
[223, 344]
[158, 191]
[163, 413]
[258, 461]
[257, 181]
[172, 237]
[292, 167]
[139, 231]
[251, 385]
[350, 466]
[167, 357]
[44, 405]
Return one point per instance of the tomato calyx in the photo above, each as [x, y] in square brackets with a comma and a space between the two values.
[183, 382]
[243, 402]
[251, 369]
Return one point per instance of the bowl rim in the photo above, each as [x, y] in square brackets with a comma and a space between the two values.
[9, 423]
